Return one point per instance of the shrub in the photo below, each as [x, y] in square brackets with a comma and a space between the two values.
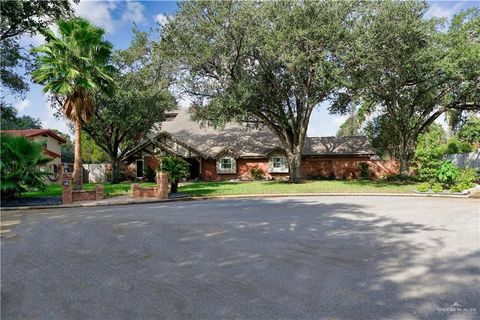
[429, 153]
[149, 174]
[20, 165]
[456, 146]
[423, 187]
[447, 173]
[176, 169]
[257, 173]
[465, 180]
[364, 171]
[437, 187]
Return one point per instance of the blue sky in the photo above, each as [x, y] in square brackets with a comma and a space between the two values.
[117, 17]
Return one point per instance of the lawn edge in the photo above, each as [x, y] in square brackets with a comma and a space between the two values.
[227, 197]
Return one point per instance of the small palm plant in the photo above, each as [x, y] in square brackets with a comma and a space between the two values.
[21, 162]
[73, 67]
[176, 169]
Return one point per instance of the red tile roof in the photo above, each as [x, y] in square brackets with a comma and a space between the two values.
[29, 133]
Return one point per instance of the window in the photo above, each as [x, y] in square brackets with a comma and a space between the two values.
[278, 164]
[226, 165]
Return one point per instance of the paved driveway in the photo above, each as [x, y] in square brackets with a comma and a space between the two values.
[291, 258]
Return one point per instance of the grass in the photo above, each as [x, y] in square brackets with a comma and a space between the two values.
[110, 190]
[273, 187]
[253, 187]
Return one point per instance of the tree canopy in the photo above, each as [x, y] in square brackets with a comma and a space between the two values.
[20, 18]
[121, 120]
[407, 71]
[11, 120]
[270, 62]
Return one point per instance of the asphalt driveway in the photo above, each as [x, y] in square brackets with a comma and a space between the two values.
[290, 258]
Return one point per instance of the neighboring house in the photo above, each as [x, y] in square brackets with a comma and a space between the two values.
[231, 152]
[51, 143]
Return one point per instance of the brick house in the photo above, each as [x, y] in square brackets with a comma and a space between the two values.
[231, 152]
[52, 145]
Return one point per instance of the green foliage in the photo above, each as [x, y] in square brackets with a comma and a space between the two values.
[267, 61]
[411, 72]
[20, 161]
[20, 18]
[470, 132]
[10, 119]
[149, 174]
[423, 187]
[437, 187]
[364, 171]
[91, 152]
[429, 153]
[176, 168]
[465, 180]
[140, 101]
[257, 173]
[454, 146]
[447, 173]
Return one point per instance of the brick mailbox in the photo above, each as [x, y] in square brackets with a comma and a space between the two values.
[160, 191]
[69, 195]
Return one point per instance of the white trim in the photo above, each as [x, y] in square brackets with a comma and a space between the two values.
[280, 165]
[222, 170]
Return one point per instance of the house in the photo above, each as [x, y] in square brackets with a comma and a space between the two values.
[51, 143]
[233, 151]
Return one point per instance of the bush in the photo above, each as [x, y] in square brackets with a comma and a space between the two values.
[20, 165]
[176, 168]
[257, 173]
[456, 146]
[465, 180]
[429, 153]
[149, 174]
[437, 187]
[447, 173]
[364, 171]
[423, 187]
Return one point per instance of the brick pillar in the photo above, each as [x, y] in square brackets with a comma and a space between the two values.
[162, 185]
[66, 188]
[99, 192]
[135, 190]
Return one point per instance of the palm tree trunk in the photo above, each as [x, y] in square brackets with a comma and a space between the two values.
[77, 165]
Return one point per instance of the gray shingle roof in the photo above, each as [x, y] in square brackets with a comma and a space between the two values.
[250, 142]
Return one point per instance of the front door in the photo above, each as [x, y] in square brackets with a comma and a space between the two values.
[194, 168]
[139, 168]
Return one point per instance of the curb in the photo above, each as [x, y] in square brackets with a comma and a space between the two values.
[228, 197]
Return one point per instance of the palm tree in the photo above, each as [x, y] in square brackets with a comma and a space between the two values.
[73, 67]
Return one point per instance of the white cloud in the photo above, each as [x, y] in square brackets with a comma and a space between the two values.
[161, 19]
[133, 12]
[439, 11]
[22, 105]
[98, 12]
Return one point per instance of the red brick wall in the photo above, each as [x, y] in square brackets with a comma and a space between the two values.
[312, 167]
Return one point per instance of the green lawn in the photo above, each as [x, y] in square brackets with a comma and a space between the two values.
[110, 189]
[254, 187]
[273, 187]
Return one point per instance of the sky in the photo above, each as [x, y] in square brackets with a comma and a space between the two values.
[117, 18]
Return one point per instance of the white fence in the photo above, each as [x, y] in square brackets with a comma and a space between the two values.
[95, 171]
[465, 160]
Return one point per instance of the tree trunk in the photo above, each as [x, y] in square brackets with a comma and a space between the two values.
[294, 165]
[174, 187]
[404, 167]
[77, 164]
[115, 171]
